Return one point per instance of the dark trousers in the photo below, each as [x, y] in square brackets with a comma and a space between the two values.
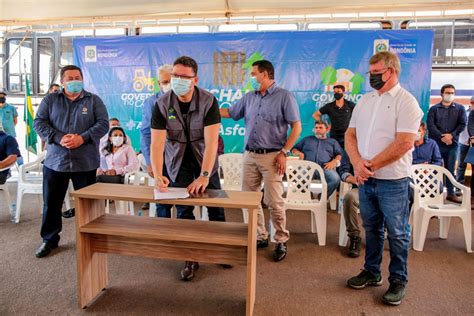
[55, 185]
[189, 171]
[449, 155]
[461, 170]
[164, 210]
[3, 177]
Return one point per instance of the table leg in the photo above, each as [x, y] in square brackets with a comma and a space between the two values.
[91, 266]
[251, 261]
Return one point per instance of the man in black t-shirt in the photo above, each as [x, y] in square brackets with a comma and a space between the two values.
[339, 111]
[185, 126]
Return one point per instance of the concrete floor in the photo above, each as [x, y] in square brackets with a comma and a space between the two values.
[310, 281]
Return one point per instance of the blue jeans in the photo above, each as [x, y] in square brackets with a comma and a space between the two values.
[449, 154]
[461, 170]
[332, 179]
[385, 203]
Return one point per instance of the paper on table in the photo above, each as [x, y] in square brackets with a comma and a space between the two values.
[173, 193]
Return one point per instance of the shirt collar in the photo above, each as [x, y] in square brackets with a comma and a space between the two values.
[393, 92]
[270, 89]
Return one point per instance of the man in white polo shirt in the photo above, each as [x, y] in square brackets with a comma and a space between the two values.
[379, 142]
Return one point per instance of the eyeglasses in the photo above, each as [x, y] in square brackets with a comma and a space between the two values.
[380, 72]
[182, 76]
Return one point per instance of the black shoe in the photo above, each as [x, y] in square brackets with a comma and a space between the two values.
[227, 266]
[262, 243]
[395, 293]
[45, 249]
[354, 247]
[69, 213]
[187, 274]
[454, 198]
[280, 251]
[363, 279]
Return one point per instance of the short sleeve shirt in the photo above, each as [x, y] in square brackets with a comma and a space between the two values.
[267, 118]
[320, 151]
[8, 146]
[7, 113]
[340, 117]
[377, 119]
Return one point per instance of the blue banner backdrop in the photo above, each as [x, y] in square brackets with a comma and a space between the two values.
[123, 70]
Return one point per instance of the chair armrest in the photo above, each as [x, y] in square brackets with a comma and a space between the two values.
[8, 167]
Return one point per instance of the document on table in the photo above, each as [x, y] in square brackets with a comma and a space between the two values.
[173, 193]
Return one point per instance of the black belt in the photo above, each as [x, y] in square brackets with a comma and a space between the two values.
[261, 150]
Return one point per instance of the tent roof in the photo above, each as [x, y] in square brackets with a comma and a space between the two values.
[27, 12]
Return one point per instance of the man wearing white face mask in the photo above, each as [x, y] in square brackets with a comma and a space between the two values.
[446, 120]
[164, 81]
[185, 128]
[426, 150]
[72, 122]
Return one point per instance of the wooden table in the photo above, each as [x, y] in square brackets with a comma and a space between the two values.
[215, 242]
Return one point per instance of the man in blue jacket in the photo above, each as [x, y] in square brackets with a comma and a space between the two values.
[71, 122]
[446, 120]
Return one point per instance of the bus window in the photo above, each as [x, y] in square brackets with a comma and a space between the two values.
[46, 63]
[66, 51]
[20, 63]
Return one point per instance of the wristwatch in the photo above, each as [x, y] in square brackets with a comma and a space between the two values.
[205, 174]
[338, 163]
[285, 152]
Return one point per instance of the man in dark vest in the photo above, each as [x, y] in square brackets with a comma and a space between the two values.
[185, 125]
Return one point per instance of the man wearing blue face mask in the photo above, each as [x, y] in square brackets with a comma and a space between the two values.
[185, 127]
[71, 121]
[268, 111]
[446, 120]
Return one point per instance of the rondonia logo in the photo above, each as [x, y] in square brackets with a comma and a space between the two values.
[90, 53]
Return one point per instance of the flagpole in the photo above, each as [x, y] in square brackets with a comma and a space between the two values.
[25, 108]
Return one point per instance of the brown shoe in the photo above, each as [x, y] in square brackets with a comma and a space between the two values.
[187, 274]
[454, 198]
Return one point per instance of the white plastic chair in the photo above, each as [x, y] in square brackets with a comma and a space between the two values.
[142, 161]
[231, 168]
[429, 202]
[299, 174]
[344, 188]
[139, 178]
[6, 193]
[30, 181]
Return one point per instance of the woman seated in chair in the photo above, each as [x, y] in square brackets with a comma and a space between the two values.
[117, 158]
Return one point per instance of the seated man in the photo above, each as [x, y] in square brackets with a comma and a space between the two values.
[9, 153]
[324, 151]
[350, 208]
[426, 150]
